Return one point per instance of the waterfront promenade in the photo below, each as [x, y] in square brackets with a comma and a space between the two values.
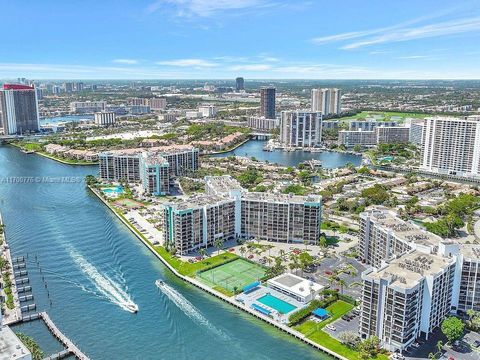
[15, 314]
[229, 300]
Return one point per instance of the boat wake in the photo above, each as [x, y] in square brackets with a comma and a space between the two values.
[187, 307]
[106, 286]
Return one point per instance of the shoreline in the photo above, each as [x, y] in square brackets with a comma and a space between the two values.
[228, 150]
[16, 311]
[218, 295]
[51, 157]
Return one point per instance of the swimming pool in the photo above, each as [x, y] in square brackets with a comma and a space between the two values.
[113, 190]
[281, 306]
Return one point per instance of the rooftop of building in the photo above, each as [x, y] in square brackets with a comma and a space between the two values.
[295, 284]
[454, 118]
[407, 270]
[10, 345]
[17, 87]
[223, 184]
[470, 251]
[165, 150]
[154, 159]
[282, 198]
[403, 230]
[197, 201]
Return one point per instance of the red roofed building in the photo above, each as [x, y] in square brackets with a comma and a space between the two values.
[18, 109]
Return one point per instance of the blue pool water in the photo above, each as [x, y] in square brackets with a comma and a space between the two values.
[281, 306]
[117, 190]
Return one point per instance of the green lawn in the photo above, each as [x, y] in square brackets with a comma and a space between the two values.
[313, 330]
[386, 114]
[190, 269]
[336, 310]
[233, 275]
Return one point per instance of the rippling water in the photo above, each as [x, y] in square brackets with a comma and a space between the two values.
[329, 159]
[93, 265]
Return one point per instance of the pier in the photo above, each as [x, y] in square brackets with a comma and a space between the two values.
[70, 347]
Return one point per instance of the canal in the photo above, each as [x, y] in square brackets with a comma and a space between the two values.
[91, 266]
[329, 159]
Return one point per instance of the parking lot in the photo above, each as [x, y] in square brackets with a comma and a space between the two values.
[464, 349]
[328, 265]
[342, 325]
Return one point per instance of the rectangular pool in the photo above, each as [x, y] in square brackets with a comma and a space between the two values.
[281, 306]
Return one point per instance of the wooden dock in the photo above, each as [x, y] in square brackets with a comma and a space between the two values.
[70, 347]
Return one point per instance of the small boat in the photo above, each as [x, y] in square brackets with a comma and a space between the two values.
[133, 308]
[159, 282]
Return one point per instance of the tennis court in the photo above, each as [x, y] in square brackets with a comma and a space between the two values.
[235, 274]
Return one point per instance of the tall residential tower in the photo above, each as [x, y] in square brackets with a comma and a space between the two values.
[267, 102]
[327, 101]
[18, 109]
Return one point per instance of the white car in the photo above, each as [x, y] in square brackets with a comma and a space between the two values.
[331, 327]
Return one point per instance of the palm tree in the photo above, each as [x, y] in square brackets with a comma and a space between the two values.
[218, 243]
[439, 346]
[202, 252]
[306, 244]
[243, 250]
[269, 261]
[342, 283]
[282, 253]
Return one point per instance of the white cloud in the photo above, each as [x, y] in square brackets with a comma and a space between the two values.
[125, 61]
[205, 8]
[445, 28]
[187, 63]
[251, 67]
[414, 57]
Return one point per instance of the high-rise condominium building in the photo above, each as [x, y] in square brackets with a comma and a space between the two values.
[79, 86]
[157, 104]
[105, 118]
[125, 165]
[154, 174]
[451, 145]
[239, 84]
[18, 109]
[416, 279]
[379, 135]
[369, 124]
[83, 107]
[416, 133]
[68, 87]
[327, 101]
[300, 128]
[199, 221]
[261, 123]
[207, 110]
[267, 102]
[228, 211]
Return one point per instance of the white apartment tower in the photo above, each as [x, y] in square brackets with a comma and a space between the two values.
[451, 145]
[327, 101]
[415, 279]
[300, 128]
[105, 118]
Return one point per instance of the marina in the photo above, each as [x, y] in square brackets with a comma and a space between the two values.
[291, 157]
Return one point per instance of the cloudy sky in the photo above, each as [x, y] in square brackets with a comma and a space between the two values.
[220, 39]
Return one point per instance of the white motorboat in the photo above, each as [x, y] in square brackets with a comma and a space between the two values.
[133, 308]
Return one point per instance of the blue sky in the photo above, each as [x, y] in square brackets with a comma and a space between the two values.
[262, 39]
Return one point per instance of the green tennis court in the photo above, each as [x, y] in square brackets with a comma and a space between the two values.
[233, 275]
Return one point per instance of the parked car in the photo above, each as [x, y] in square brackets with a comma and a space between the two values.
[331, 327]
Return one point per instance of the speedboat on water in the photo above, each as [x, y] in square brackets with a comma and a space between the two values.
[159, 282]
[133, 308]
